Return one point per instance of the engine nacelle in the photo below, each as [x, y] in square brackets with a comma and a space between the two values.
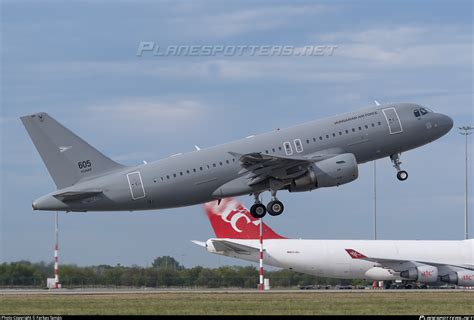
[331, 172]
[423, 273]
[460, 278]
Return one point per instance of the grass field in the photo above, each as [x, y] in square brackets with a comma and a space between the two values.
[308, 303]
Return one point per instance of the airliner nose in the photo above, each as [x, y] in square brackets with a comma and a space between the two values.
[446, 123]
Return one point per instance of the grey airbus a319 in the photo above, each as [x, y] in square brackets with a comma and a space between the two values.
[317, 154]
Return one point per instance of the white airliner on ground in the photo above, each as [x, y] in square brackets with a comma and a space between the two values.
[237, 235]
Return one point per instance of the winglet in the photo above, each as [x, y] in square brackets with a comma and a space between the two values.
[354, 254]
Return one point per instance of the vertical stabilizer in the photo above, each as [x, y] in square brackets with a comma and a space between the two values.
[67, 157]
[231, 220]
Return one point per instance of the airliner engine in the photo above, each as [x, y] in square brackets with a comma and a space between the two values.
[423, 273]
[460, 278]
[331, 172]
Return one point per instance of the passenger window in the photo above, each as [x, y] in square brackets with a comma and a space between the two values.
[174, 175]
[353, 130]
[320, 138]
[200, 168]
[360, 128]
[214, 165]
[187, 171]
[194, 169]
[373, 125]
[314, 139]
[273, 149]
[266, 151]
[340, 133]
[380, 123]
[347, 131]
[366, 126]
[220, 163]
[167, 177]
[227, 161]
[327, 136]
[181, 173]
[307, 141]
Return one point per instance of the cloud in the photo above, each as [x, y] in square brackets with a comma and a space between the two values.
[408, 46]
[227, 23]
[149, 114]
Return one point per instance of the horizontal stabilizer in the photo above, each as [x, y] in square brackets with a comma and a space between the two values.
[229, 246]
[199, 243]
[75, 195]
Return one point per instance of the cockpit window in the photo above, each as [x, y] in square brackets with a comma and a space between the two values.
[423, 111]
[417, 113]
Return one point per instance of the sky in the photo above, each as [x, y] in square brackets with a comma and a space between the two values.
[77, 60]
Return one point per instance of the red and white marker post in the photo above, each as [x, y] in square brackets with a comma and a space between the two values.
[261, 255]
[56, 275]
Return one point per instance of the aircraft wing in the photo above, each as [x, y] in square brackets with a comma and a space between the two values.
[401, 265]
[263, 166]
[232, 247]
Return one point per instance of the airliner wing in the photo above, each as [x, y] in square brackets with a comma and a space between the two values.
[400, 265]
[232, 247]
[263, 166]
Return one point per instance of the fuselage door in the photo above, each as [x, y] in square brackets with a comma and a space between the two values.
[393, 121]
[136, 185]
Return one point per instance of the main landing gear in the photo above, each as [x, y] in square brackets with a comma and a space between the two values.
[274, 207]
[401, 174]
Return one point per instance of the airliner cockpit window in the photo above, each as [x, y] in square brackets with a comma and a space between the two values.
[417, 113]
[423, 111]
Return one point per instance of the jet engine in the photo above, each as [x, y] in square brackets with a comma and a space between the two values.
[460, 278]
[327, 173]
[422, 273]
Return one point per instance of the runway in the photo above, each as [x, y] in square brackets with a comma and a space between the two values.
[111, 291]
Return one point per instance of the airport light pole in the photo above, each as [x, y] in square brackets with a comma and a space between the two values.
[465, 131]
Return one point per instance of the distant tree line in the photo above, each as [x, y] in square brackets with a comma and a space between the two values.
[164, 272]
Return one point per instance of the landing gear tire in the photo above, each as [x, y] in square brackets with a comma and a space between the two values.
[402, 175]
[258, 210]
[275, 208]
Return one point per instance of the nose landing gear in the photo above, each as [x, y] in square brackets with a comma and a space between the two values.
[401, 174]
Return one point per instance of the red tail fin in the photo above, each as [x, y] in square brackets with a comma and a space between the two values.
[230, 219]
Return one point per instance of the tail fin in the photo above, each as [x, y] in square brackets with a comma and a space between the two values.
[231, 220]
[67, 157]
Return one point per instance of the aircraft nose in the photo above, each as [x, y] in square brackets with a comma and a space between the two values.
[446, 123]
